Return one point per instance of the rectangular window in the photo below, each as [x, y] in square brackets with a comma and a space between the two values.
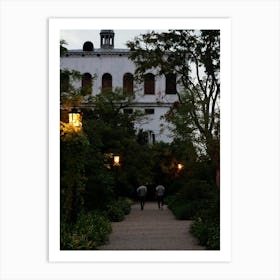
[149, 111]
[128, 111]
[153, 138]
[170, 84]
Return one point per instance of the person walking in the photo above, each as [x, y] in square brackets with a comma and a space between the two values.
[160, 190]
[142, 191]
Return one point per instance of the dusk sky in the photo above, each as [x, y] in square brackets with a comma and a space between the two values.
[76, 38]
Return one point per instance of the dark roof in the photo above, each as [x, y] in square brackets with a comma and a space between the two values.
[107, 31]
[99, 51]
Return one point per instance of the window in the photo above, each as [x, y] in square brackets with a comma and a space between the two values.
[128, 111]
[149, 84]
[128, 83]
[106, 82]
[64, 81]
[149, 111]
[170, 84]
[88, 46]
[153, 138]
[87, 83]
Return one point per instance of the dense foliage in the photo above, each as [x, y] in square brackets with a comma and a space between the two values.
[194, 56]
[206, 226]
[90, 231]
[73, 149]
[199, 201]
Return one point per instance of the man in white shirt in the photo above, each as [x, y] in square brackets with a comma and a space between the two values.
[159, 194]
[142, 191]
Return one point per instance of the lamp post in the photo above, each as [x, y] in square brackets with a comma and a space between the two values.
[180, 166]
[75, 118]
[116, 160]
[116, 167]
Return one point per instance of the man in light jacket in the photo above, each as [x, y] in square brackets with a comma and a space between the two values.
[159, 194]
[142, 191]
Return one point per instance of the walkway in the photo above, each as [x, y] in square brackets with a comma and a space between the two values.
[151, 229]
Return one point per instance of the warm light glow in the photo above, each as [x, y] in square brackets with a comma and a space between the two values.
[75, 119]
[180, 166]
[116, 160]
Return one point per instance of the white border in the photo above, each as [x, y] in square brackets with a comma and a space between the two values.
[223, 255]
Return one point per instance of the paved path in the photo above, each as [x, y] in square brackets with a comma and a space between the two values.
[151, 229]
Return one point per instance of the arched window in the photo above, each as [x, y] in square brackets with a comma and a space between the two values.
[128, 83]
[107, 81]
[170, 83]
[87, 83]
[88, 46]
[149, 83]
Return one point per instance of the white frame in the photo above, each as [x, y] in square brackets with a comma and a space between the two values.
[222, 255]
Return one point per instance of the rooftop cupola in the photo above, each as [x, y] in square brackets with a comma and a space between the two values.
[107, 39]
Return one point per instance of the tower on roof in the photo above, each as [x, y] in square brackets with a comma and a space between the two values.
[107, 39]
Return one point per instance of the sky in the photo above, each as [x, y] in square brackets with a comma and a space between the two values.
[76, 38]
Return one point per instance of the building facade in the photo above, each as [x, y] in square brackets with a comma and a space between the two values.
[112, 69]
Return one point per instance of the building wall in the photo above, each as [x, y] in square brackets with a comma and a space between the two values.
[117, 64]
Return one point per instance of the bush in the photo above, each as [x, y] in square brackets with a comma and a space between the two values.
[115, 213]
[187, 211]
[125, 204]
[208, 233]
[206, 226]
[199, 201]
[195, 190]
[200, 230]
[118, 209]
[192, 198]
[91, 230]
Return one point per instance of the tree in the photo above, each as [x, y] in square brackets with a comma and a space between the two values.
[63, 49]
[194, 56]
[73, 150]
[112, 130]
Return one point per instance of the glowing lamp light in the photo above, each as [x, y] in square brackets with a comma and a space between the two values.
[180, 166]
[75, 118]
[116, 160]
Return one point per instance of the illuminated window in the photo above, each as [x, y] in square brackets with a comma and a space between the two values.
[170, 83]
[87, 83]
[149, 84]
[107, 81]
[128, 83]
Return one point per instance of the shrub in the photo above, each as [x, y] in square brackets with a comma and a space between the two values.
[117, 210]
[192, 198]
[200, 230]
[187, 211]
[199, 201]
[125, 204]
[206, 226]
[91, 230]
[115, 213]
[195, 190]
[208, 233]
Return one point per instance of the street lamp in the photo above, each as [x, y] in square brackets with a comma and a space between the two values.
[180, 166]
[75, 118]
[116, 161]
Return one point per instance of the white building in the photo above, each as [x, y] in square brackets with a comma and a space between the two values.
[113, 69]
